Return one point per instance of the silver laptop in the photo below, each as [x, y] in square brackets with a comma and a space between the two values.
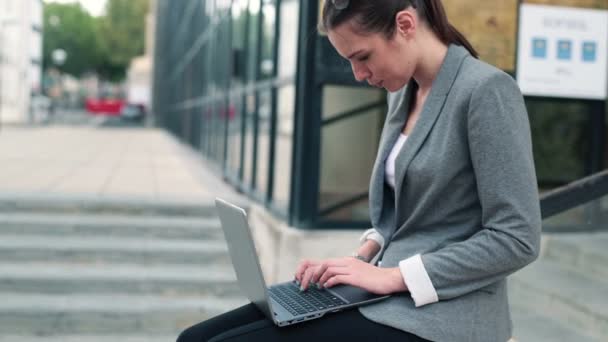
[282, 303]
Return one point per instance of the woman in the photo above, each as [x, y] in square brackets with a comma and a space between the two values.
[453, 194]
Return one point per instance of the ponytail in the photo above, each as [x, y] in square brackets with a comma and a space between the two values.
[434, 14]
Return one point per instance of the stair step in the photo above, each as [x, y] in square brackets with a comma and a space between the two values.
[82, 204]
[585, 252]
[25, 248]
[562, 294]
[49, 278]
[101, 313]
[110, 225]
[533, 327]
[88, 338]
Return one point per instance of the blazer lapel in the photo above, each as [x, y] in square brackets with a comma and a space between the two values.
[396, 118]
[430, 112]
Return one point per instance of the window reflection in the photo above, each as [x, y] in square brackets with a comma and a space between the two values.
[348, 151]
[264, 120]
[283, 146]
[268, 37]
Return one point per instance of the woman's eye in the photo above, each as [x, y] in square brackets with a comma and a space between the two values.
[363, 58]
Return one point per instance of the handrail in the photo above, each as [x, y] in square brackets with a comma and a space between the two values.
[353, 112]
[574, 194]
[343, 204]
[552, 202]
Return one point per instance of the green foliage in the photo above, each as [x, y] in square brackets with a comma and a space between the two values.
[121, 35]
[71, 28]
[104, 45]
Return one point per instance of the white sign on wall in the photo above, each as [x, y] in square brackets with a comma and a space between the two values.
[562, 52]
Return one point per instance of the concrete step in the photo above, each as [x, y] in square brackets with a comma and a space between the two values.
[70, 204]
[28, 248]
[50, 278]
[569, 297]
[32, 314]
[532, 327]
[88, 338]
[110, 225]
[585, 252]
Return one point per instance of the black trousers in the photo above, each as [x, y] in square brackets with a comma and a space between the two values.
[247, 323]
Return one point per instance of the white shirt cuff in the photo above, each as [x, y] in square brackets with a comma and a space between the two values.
[372, 234]
[418, 281]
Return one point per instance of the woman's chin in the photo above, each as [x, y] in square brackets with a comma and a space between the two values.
[393, 87]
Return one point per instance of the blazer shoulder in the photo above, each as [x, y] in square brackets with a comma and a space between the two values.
[476, 74]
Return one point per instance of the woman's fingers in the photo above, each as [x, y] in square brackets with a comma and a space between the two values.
[306, 277]
[319, 271]
[338, 279]
[302, 267]
[330, 272]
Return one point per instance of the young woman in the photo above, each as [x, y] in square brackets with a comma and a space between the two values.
[453, 194]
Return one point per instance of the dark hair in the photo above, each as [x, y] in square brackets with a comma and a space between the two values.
[379, 16]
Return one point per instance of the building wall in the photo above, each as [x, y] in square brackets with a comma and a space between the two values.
[139, 74]
[20, 65]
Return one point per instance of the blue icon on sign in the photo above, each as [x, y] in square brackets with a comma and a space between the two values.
[564, 49]
[589, 51]
[539, 48]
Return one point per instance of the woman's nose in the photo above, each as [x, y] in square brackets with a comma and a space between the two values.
[361, 73]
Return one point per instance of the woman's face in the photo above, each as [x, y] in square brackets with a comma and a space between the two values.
[380, 61]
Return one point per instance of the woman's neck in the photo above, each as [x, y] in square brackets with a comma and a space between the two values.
[431, 59]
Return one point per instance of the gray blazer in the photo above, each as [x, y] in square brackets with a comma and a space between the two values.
[466, 199]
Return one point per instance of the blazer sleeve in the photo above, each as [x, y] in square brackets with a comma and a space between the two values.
[501, 155]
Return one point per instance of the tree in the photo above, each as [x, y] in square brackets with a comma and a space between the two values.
[121, 33]
[70, 28]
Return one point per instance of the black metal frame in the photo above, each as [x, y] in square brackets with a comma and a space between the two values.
[305, 161]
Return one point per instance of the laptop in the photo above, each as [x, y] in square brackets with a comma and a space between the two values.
[282, 303]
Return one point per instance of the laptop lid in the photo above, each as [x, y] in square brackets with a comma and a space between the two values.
[243, 254]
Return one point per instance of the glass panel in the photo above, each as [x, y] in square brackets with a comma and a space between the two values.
[268, 38]
[234, 135]
[288, 38]
[249, 140]
[252, 47]
[264, 119]
[218, 131]
[239, 38]
[348, 150]
[560, 140]
[283, 146]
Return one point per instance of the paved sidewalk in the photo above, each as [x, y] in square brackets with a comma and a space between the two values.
[139, 163]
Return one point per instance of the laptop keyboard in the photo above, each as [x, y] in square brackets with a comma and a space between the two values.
[298, 303]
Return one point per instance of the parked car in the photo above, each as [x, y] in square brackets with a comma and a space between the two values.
[133, 112]
[108, 107]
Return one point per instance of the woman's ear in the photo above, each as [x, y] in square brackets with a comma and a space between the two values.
[406, 22]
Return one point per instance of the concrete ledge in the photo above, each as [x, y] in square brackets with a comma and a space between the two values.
[281, 248]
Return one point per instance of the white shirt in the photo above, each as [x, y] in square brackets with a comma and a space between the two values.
[389, 168]
[412, 269]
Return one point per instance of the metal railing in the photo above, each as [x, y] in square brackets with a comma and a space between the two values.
[576, 207]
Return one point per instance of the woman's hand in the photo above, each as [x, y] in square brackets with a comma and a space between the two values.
[350, 271]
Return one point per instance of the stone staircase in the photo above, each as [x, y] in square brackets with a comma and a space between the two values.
[563, 296]
[101, 271]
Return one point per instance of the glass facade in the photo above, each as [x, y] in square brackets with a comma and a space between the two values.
[254, 88]
[225, 84]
